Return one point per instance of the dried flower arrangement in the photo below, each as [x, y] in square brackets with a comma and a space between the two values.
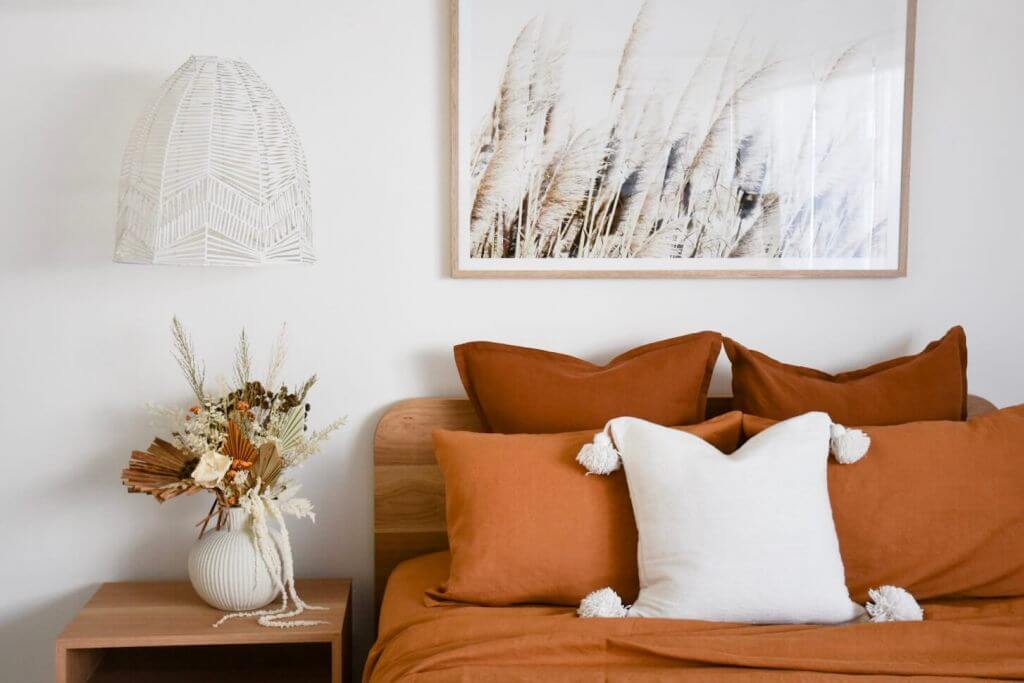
[238, 444]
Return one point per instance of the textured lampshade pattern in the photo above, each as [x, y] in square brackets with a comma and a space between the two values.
[214, 174]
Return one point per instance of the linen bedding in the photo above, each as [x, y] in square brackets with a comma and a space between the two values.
[425, 641]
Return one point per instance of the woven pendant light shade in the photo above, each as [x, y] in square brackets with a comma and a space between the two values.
[214, 174]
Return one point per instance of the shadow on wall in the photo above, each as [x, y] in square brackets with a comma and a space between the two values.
[89, 481]
[436, 372]
[363, 635]
[31, 631]
[79, 155]
[444, 138]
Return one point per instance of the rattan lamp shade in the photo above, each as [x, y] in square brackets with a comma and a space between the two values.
[214, 174]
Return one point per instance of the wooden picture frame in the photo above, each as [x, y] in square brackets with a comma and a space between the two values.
[500, 268]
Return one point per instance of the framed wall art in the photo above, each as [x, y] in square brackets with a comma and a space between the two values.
[681, 138]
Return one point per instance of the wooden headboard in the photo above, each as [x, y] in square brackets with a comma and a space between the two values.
[409, 514]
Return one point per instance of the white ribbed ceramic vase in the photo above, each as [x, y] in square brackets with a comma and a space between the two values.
[225, 569]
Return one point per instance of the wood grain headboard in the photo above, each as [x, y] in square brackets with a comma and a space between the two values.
[409, 514]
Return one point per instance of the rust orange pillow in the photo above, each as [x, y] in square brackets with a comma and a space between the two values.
[929, 386]
[935, 507]
[527, 525]
[517, 390]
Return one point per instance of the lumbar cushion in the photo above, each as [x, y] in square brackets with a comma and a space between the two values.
[745, 537]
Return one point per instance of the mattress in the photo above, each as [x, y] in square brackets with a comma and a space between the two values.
[424, 640]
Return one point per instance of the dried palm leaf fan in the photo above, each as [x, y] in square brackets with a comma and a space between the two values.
[160, 471]
[214, 174]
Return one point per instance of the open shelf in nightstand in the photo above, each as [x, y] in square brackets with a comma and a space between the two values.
[307, 662]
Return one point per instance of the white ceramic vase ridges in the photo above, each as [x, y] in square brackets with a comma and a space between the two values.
[225, 569]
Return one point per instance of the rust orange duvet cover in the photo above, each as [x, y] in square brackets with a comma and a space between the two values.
[420, 640]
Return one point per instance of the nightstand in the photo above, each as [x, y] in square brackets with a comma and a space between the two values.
[162, 631]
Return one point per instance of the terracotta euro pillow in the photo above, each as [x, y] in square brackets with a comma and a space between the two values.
[526, 525]
[931, 385]
[517, 390]
[934, 507]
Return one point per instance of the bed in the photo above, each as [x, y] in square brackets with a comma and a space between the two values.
[422, 640]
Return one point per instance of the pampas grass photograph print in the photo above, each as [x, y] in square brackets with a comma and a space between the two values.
[681, 137]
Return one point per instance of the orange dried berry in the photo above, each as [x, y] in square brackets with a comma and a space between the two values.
[239, 464]
[242, 406]
[233, 500]
[194, 410]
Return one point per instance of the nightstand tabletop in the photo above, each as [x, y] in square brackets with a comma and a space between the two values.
[169, 613]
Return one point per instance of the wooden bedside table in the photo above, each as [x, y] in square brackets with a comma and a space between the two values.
[162, 631]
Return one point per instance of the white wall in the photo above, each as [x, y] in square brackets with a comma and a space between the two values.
[85, 342]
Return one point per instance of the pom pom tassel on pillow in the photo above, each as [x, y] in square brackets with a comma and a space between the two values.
[890, 603]
[604, 603]
[600, 456]
[848, 445]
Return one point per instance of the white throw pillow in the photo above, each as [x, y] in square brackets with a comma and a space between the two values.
[747, 537]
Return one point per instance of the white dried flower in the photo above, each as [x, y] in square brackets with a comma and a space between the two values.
[297, 507]
[310, 446]
[211, 469]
